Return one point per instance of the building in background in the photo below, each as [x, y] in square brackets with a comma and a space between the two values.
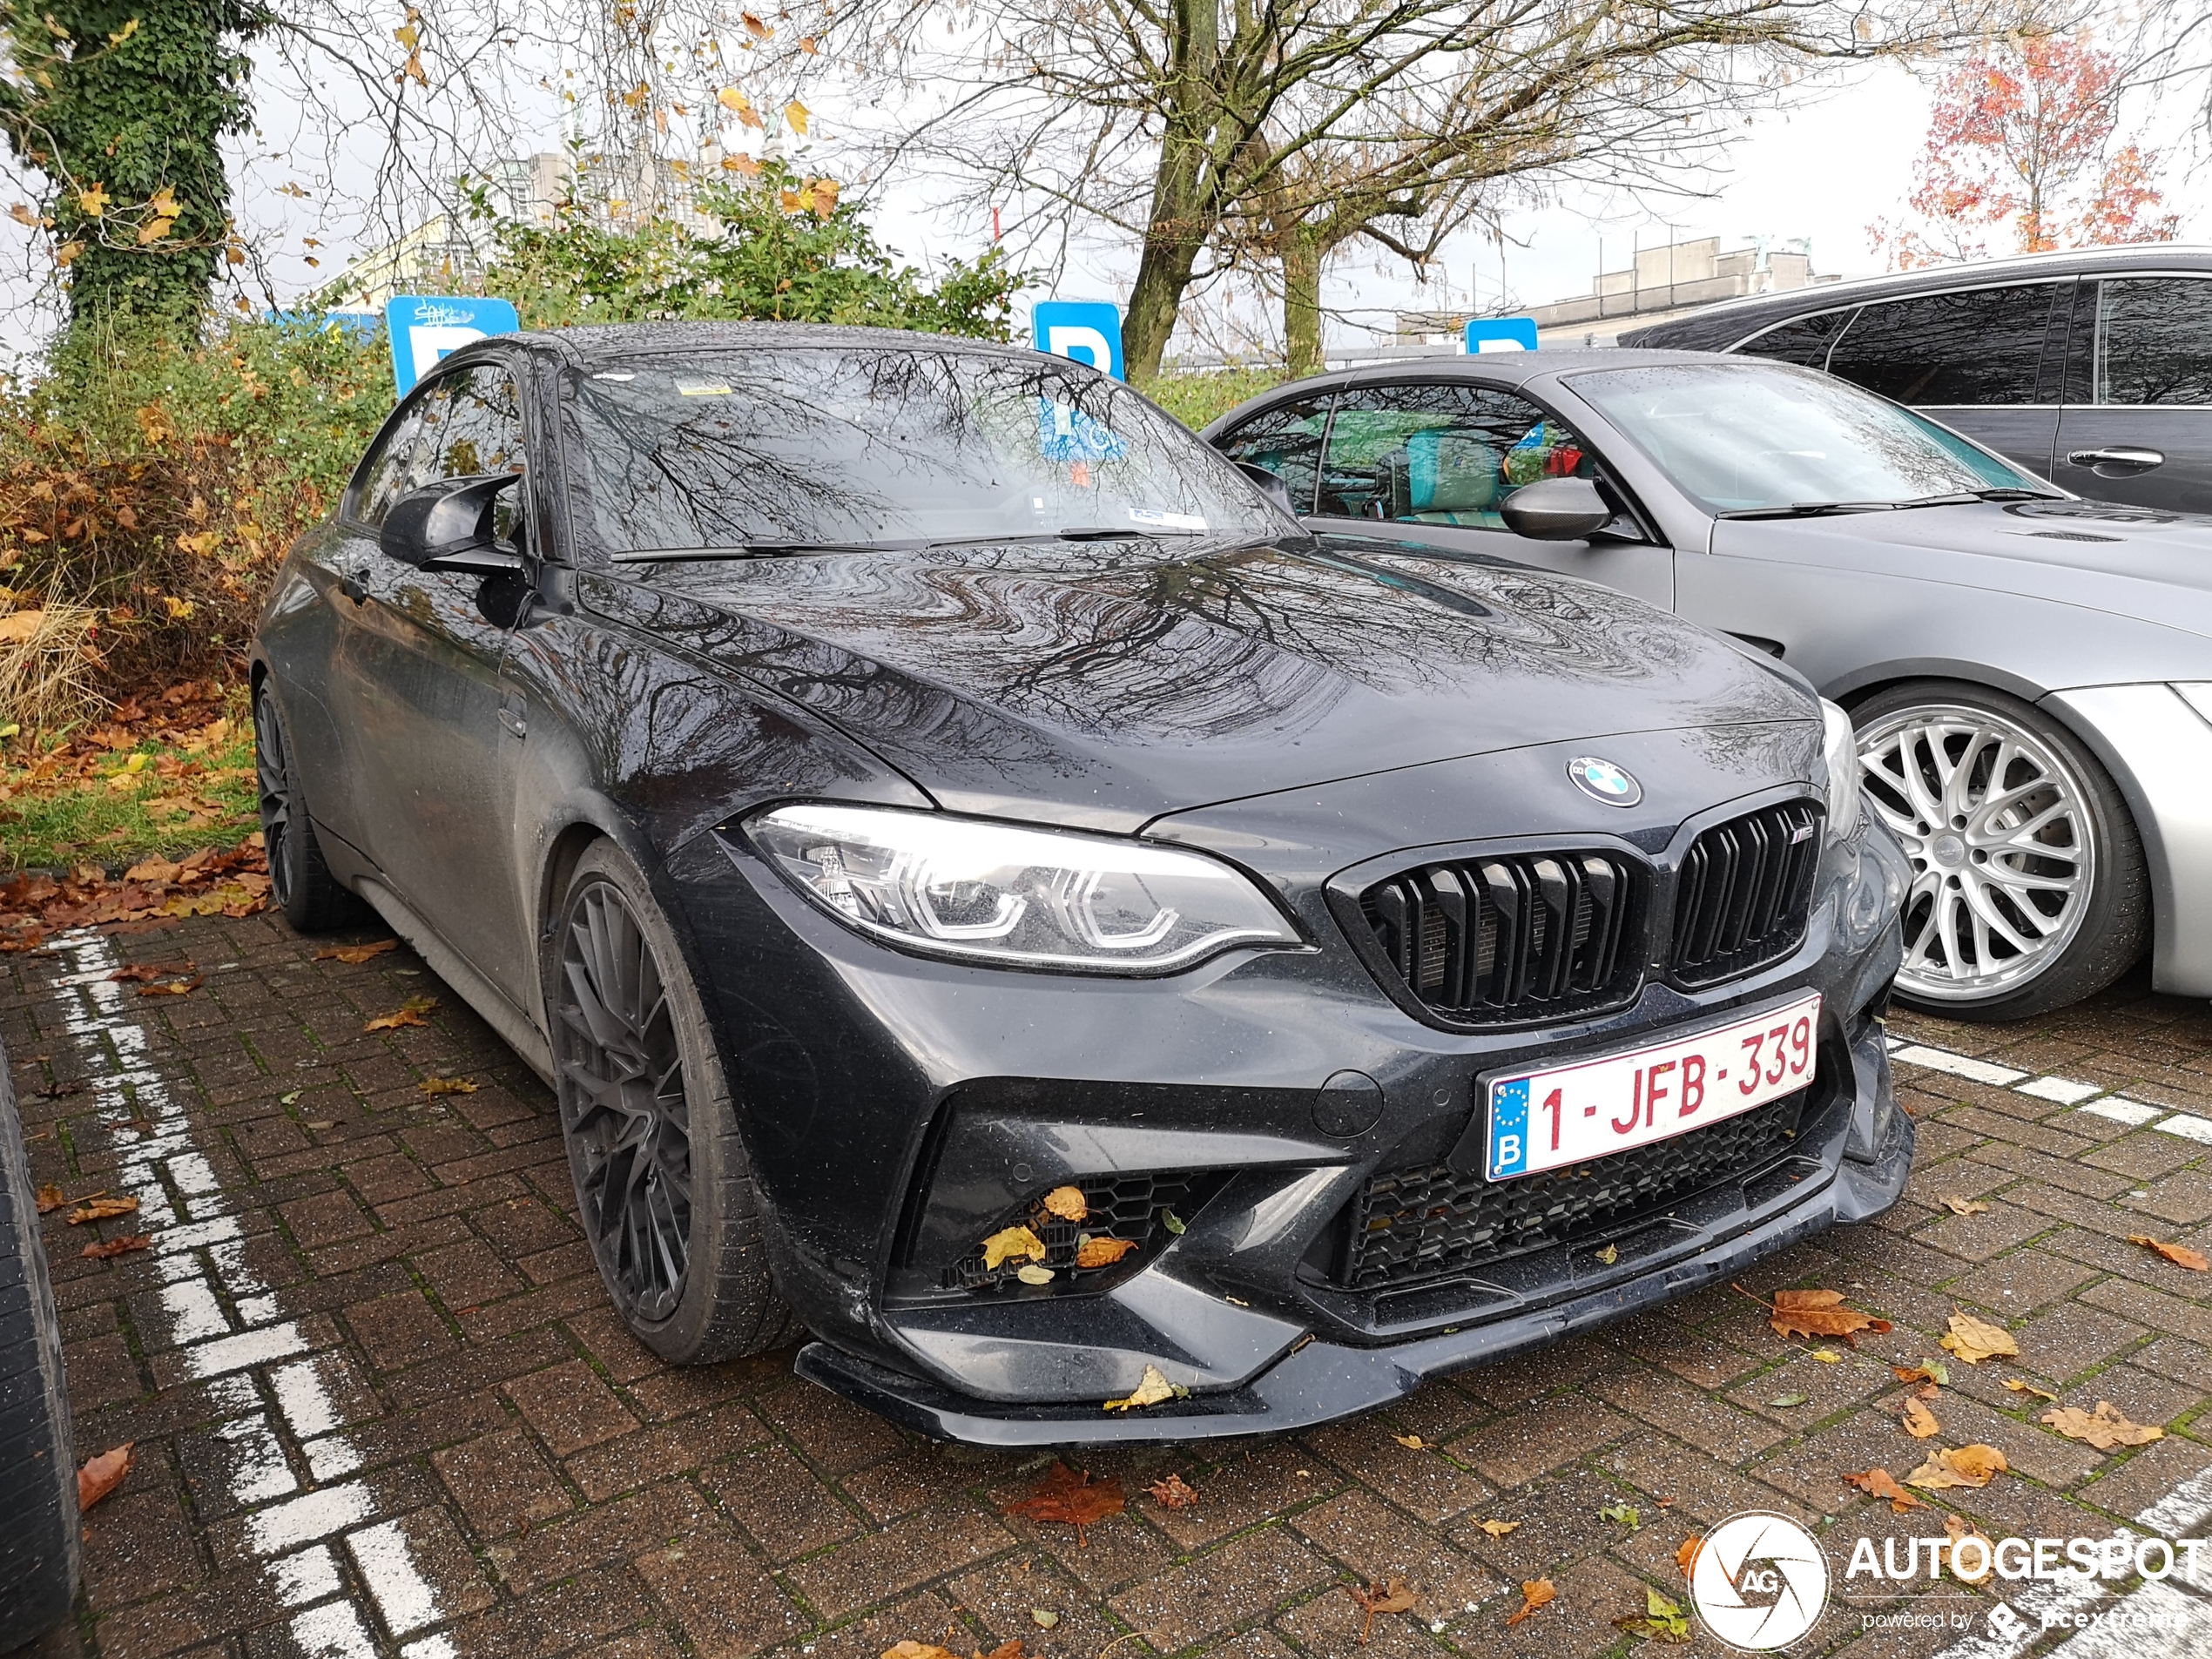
[1659, 283]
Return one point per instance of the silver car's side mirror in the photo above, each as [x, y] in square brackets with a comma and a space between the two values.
[1555, 510]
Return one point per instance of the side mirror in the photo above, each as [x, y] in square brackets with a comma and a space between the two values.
[1270, 484]
[449, 526]
[1556, 509]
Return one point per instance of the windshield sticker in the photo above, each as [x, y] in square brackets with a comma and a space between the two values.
[1167, 520]
[1065, 433]
[692, 385]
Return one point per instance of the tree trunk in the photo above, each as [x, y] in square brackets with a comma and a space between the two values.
[1300, 252]
[1178, 229]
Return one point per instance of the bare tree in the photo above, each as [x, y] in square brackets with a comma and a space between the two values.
[1184, 124]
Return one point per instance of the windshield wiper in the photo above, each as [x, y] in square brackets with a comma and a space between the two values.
[756, 551]
[1810, 510]
[1100, 533]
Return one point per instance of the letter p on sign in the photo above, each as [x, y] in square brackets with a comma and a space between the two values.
[1083, 331]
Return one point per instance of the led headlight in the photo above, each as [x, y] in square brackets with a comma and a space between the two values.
[1841, 756]
[1025, 898]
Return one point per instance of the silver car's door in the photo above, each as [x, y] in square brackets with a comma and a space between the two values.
[1431, 461]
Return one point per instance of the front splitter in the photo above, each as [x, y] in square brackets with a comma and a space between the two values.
[1321, 1381]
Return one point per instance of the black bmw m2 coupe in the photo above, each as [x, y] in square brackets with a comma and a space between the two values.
[989, 889]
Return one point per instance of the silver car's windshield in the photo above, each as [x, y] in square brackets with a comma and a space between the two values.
[1740, 437]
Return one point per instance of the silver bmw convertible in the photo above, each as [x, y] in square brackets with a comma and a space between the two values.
[2030, 674]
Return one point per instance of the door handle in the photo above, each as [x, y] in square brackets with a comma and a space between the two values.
[2117, 462]
[350, 584]
[513, 723]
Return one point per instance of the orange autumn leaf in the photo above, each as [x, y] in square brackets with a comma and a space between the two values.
[1880, 1483]
[1974, 1340]
[2103, 1428]
[356, 953]
[1012, 1243]
[102, 1210]
[1820, 1313]
[1069, 1498]
[1965, 1466]
[114, 1247]
[173, 987]
[1535, 1592]
[1172, 1493]
[911, 1649]
[1393, 1597]
[2180, 1254]
[101, 1474]
[1067, 1202]
[1102, 1252]
[1686, 1552]
[50, 1199]
[1920, 1421]
[408, 1013]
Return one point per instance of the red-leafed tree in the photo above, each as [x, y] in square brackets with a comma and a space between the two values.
[2020, 147]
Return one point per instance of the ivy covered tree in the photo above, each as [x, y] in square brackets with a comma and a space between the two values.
[120, 106]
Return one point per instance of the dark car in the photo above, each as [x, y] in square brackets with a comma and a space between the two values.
[2030, 673]
[2093, 368]
[982, 879]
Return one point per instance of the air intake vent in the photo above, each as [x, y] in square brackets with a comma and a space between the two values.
[1520, 936]
[1745, 890]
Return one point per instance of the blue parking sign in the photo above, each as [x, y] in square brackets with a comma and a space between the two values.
[424, 328]
[1501, 334]
[1083, 331]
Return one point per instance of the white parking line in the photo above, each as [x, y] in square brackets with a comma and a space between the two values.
[201, 1259]
[2185, 1122]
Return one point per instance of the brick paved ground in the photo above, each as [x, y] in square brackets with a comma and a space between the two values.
[381, 1406]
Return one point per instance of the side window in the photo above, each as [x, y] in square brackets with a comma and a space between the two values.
[1286, 440]
[2155, 340]
[1440, 454]
[393, 466]
[476, 427]
[1981, 346]
[1803, 340]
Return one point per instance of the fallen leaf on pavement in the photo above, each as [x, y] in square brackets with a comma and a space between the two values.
[1967, 1466]
[1880, 1483]
[114, 1247]
[1172, 1493]
[1959, 1206]
[1102, 1252]
[50, 1199]
[1535, 1592]
[911, 1649]
[1662, 1621]
[1151, 1391]
[1498, 1528]
[1920, 1421]
[1686, 1552]
[1071, 1499]
[1043, 1618]
[142, 971]
[1789, 1402]
[1393, 1597]
[102, 1210]
[174, 987]
[1820, 1313]
[2103, 1428]
[1005, 1246]
[1622, 1514]
[101, 1474]
[1410, 1442]
[1828, 1356]
[408, 1013]
[1932, 1371]
[1067, 1202]
[435, 1085]
[2020, 1387]
[356, 953]
[2180, 1254]
[1974, 1340]
[1956, 1528]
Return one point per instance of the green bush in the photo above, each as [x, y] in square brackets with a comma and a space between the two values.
[1196, 396]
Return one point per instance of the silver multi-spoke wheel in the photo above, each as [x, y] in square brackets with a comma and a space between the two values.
[2003, 843]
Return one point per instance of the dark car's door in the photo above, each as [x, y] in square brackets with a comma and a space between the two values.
[2137, 424]
[1984, 361]
[415, 681]
[1431, 461]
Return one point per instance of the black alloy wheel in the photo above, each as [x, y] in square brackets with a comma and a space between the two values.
[625, 1108]
[301, 883]
[664, 1189]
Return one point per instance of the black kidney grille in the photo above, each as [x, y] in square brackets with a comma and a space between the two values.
[1519, 936]
[1745, 890]
[1122, 1206]
[1418, 1223]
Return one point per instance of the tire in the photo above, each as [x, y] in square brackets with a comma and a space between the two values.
[660, 1169]
[38, 1522]
[2016, 908]
[299, 881]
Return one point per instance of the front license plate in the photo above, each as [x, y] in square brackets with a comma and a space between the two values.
[1543, 1120]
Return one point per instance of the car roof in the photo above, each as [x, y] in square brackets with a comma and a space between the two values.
[587, 344]
[1508, 368]
[1758, 309]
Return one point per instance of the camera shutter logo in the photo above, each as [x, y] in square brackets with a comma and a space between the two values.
[1760, 1581]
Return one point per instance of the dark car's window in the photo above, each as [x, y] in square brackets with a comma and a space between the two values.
[462, 423]
[1441, 453]
[1805, 340]
[1982, 347]
[2155, 340]
[1739, 436]
[1286, 440]
[848, 445]
[389, 472]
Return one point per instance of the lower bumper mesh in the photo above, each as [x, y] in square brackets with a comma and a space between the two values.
[1412, 1225]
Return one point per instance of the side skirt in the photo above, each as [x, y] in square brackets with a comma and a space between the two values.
[513, 1025]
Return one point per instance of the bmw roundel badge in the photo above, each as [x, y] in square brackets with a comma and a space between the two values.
[1602, 780]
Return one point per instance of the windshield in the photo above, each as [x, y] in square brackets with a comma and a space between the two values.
[785, 449]
[1740, 437]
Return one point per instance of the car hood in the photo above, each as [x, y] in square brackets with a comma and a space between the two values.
[2135, 562]
[1105, 684]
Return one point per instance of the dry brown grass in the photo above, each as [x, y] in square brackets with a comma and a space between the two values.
[50, 664]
